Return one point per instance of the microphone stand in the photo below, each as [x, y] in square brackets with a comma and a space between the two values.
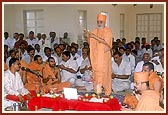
[40, 83]
[39, 80]
[38, 75]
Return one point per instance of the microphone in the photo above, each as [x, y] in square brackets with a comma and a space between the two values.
[25, 69]
[28, 70]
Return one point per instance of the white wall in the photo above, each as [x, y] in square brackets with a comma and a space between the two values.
[140, 9]
[63, 17]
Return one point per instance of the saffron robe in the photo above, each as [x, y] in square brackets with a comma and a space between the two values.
[149, 101]
[53, 84]
[101, 60]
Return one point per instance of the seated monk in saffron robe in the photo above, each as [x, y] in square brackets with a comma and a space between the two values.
[51, 77]
[33, 81]
[148, 99]
[155, 82]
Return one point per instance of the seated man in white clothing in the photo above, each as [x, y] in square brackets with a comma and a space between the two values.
[127, 56]
[77, 57]
[74, 55]
[30, 56]
[160, 67]
[31, 39]
[86, 70]
[146, 58]
[12, 55]
[58, 54]
[85, 67]
[47, 54]
[68, 68]
[156, 57]
[13, 84]
[38, 50]
[121, 70]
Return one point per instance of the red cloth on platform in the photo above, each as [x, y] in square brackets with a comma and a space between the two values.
[15, 98]
[33, 93]
[35, 101]
[58, 103]
[114, 104]
[91, 106]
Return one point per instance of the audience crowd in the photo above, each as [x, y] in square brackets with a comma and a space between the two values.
[42, 63]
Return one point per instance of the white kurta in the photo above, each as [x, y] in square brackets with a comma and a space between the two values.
[75, 57]
[66, 75]
[130, 58]
[147, 51]
[32, 42]
[56, 40]
[59, 58]
[9, 41]
[7, 61]
[26, 58]
[87, 74]
[159, 68]
[41, 53]
[45, 58]
[13, 84]
[47, 43]
[139, 66]
[123, 69]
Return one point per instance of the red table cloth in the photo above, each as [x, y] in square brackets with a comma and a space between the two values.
[61, 104]
[15, 98]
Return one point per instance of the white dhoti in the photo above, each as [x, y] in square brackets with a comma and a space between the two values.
[120, 84]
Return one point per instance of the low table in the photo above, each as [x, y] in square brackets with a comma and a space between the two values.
[62, 104]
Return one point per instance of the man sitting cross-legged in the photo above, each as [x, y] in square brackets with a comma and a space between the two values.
[13, 85]
[51, 77]
[33, 80]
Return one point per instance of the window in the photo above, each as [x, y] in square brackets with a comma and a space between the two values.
[82, 19]
[82, 24]
[149, 25]
[33, 21]
[122, 25]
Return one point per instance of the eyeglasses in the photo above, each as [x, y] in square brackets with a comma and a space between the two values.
[100, 22]
[137, 83]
